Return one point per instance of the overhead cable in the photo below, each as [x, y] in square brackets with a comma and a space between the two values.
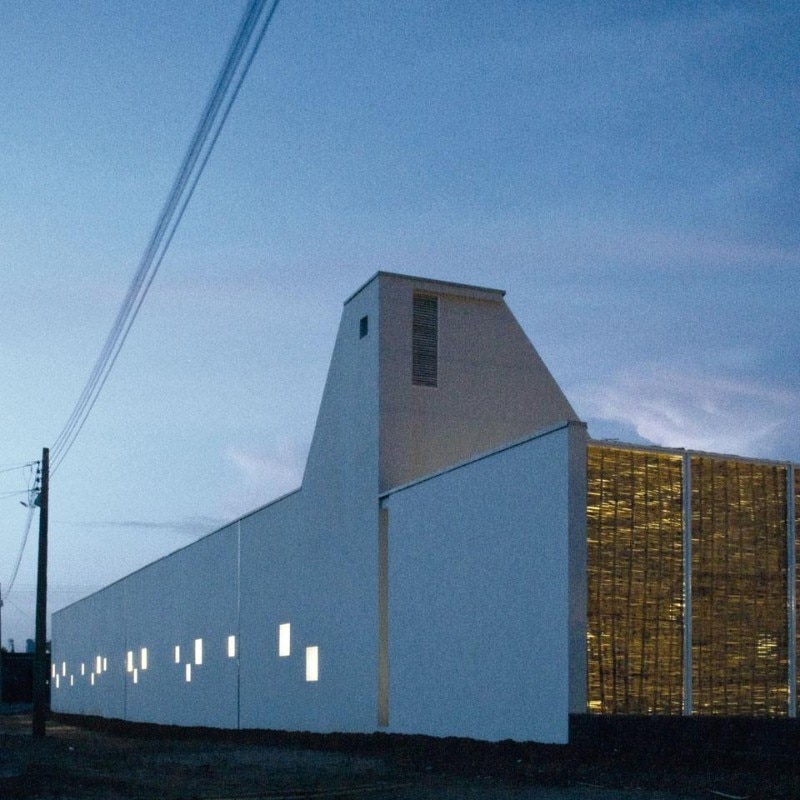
[21, 550]
[237, 63]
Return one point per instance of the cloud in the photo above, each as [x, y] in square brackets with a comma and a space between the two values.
[190, 526]
[262, 476]
[699, 412]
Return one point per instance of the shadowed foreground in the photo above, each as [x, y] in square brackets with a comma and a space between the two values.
[106, 759]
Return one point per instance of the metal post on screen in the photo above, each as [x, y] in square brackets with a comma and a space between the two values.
[40, 654]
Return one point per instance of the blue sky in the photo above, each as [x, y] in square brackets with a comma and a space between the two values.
[629, 173]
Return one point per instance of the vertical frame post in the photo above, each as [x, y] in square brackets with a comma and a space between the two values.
[687, 584]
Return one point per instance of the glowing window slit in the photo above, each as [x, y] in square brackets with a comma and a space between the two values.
[231, 647]
[312, 663]
[198, 651]
[285, 639]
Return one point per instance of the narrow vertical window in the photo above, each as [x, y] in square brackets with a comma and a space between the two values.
[363, 327]
[312, 663]
[71, 680]
[143, 659]
[231, 647]
[129, 661]
[188, 673]
[425, 340]
[99, 665]
[177, 654]
[64, 668]
[105, 663]
[198, 651]
[53, 671]
[83, 669]
[285, 639]
[136, 676]
[91, 679]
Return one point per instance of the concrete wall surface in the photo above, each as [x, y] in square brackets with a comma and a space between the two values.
[311, 614]
[478, 566]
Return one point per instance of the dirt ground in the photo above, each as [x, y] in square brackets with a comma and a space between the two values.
[104, 760]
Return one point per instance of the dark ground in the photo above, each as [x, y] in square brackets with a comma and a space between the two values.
[89, 759]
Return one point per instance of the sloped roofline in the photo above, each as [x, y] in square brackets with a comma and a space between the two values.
[491, 294]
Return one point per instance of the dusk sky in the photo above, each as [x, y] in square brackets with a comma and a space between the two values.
[628, 172]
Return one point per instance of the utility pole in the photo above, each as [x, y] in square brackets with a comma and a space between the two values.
[40, 654]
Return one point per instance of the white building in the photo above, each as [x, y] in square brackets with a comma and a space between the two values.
[428, 577]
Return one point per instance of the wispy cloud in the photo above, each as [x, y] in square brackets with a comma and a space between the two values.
[190, 526]
[702, 412]
[673, 249]
[262, 475]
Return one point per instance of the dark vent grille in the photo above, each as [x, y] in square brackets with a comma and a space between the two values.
[425, 341]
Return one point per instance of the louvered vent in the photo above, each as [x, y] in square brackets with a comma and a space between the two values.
[425, 341]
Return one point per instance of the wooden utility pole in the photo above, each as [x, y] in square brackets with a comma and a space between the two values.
[40, 654]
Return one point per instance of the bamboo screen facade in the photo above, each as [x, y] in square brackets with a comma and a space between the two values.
[736, 549]
[635, 582]
[740, 652]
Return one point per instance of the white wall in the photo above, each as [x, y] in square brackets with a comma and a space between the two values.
[493, 386]
[309, 559]
[478, 563]
[479, 596]
[191, 594]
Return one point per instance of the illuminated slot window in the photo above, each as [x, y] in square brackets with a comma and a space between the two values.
[105, 663]
[312, 663]
[136, 675]
[53, 671]
[129, 662]
[83, 669]
[188, 673]
[285, 639]
[177, 654]
[71, 680]
[91, 679]
[58, 681]
[64, 668]
[231, 647]
[99, 665]
[143, 659]
[198, 651]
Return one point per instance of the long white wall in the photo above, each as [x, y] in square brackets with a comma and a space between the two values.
[312, 614]
[478, 565]
[308, 561]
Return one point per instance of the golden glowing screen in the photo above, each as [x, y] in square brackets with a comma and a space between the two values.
[739, 573]
[739, 589]
[635, 575]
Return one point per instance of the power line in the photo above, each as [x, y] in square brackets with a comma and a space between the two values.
[32, 490]
[15, 467]
[20, 552]
[240, 55]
